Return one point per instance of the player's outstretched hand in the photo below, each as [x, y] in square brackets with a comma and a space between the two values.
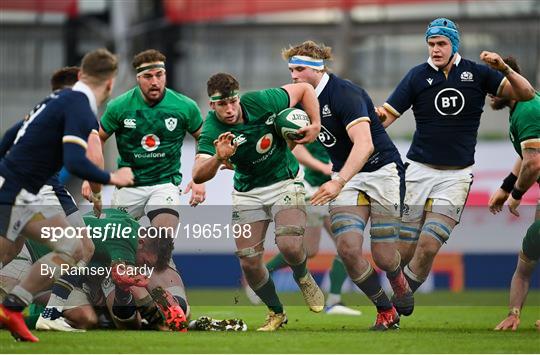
[309, 133]
[122, 177]
[510, 322]
[198, 193]
[497, 200]
[326, 193]
[493, 60]
[225, 146]
[513, 206]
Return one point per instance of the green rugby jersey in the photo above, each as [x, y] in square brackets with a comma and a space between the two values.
[263, 157]
[36, 250]
[114, 247]
[314, 177]
[149, 139]
[525, 122]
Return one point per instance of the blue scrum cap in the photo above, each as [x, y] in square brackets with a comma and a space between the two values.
[444, 27]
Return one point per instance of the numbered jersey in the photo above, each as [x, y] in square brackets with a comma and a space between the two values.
[149, 138]
[447, 109]
[263, 157]
[525, 124]
[37, 150]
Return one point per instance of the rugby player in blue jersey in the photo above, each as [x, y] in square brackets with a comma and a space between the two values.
[447, 95]
[56, 134]
[367, 180]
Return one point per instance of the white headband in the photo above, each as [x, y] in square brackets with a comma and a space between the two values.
[305, 61]
[146, 67]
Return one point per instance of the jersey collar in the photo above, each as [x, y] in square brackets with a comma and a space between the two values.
[456, 62]
[322, 84]
[85, 89]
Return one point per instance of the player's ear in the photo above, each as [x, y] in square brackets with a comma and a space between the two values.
[212, 105]
[110, 84]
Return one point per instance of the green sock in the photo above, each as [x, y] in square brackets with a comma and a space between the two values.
[34, 310]
[267, 293]
[299, 270]
[338, 275]
[277, 262]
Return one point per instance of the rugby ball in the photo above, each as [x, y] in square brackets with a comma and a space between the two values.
[289, 121]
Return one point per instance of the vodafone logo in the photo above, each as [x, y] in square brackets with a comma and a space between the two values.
[264, 143]
[150, 142]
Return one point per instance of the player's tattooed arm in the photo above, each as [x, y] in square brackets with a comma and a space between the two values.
[519, 89]
[530, 168]
[518, 293]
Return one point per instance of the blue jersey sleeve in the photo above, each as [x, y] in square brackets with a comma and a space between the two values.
[353, 108]
[491, 79]
[79, 121]
[9, 138]
[402, 97]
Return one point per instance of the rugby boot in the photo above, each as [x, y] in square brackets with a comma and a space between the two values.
[273, 322]
[312, 293]
[386, 320]
[403, 297]
[14, 321]
[210, 324]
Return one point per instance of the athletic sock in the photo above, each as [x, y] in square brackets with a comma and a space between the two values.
[124, 305]
[371, 286]
[17, 299]
[276, 263]
[333, 299]
[182, 303]
[338, 275]
[60, 292]
[299, 270]
[414, 281]
[34, 311]
[267, 293]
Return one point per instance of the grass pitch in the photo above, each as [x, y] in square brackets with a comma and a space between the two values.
[442, 323]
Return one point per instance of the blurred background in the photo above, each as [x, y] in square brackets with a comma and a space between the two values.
[375, 42]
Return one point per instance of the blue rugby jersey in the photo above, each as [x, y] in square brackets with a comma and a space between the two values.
[447, 110]
[342, 103]
[55, 132]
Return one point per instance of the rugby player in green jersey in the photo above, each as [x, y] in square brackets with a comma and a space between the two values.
[525, 136]
[150, 122]
[239, 132]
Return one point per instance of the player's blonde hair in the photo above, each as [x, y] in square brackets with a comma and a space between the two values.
[310, 49]
[98, 66]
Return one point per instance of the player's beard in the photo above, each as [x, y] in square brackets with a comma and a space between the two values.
[153, 101]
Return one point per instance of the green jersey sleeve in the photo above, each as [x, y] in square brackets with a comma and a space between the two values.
[110, 121]
[209, 133]
[275, 99]
[525, 122]
[195, 122]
